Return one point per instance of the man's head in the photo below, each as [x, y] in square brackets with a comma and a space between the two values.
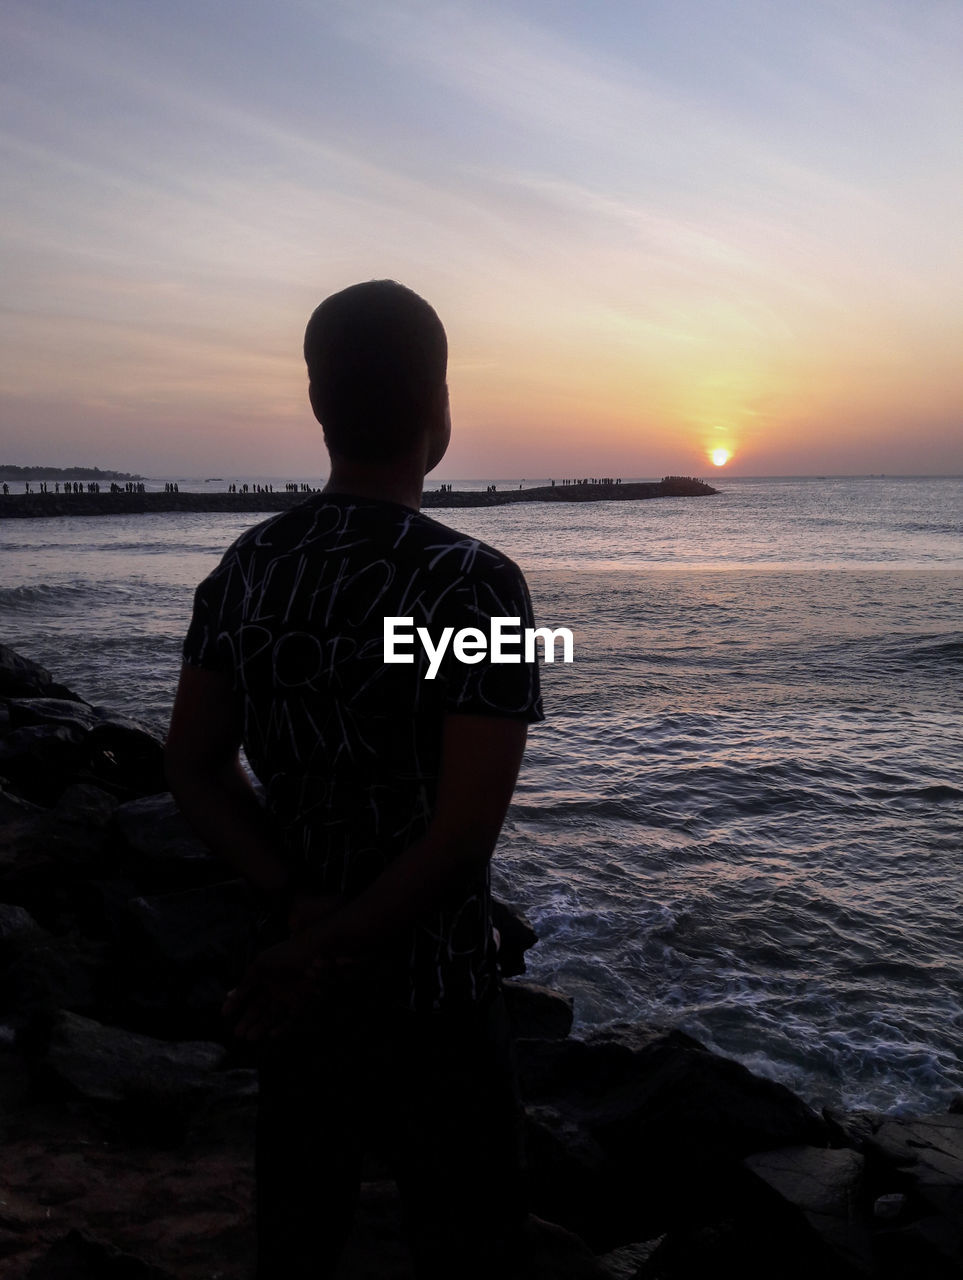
[377, 357]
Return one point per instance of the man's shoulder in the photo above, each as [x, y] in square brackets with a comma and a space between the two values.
[462, 552]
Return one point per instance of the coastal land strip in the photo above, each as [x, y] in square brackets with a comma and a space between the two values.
[33, 505]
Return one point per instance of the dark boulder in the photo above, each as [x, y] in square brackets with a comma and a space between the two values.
[16, 925]
[64, 711]
[50, 857]
[78, 1256]
[43, 973]
[109, 1064]
[22, 678]
[158, 849]
[177, 956]
[515, 936]
[86, 806]
[926, 1157]
[821, 1195]
[203, 930]
[124, 756]
[38, 759]
[672, 1119]
[538, 1012]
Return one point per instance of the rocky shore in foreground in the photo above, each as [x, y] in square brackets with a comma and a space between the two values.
[126, 1116]
[34, 505]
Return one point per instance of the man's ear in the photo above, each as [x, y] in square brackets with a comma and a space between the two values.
[440, 429]
[314, 398]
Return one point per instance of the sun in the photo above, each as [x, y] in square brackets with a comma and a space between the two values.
[720, 457]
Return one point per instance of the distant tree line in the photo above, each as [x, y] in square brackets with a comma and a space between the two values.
[68, 473]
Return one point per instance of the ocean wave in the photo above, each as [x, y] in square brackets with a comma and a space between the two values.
[936, 528]
[45, 596]
[937, 650]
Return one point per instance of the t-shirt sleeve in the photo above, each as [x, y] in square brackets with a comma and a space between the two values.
[510, 687]
[200, 643]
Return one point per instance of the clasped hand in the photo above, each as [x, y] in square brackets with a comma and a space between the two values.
[285, 980]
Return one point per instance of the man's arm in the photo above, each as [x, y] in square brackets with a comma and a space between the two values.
[214, 794]
[481, 756]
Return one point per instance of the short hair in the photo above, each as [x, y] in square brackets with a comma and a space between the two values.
[377, 357]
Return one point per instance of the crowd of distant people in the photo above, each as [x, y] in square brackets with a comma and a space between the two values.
[79, 486]
[172, 486]
[491, 488]
[269, 488]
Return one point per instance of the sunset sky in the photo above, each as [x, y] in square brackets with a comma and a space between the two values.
[653, 228]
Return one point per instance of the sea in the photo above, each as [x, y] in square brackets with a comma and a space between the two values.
[742, 816]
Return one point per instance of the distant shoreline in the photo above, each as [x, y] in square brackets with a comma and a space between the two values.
[17, 475]
[41, 505]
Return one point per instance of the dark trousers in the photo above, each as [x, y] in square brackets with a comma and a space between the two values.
[436, 1095]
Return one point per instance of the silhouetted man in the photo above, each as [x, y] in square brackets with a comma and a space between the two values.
[378, 1007]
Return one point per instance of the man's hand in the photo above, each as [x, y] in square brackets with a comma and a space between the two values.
[282, 984]
[479, 764]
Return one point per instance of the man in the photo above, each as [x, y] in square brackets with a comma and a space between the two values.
[378, 1006]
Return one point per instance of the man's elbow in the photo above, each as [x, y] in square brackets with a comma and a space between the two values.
[177, 768]
[187, 771]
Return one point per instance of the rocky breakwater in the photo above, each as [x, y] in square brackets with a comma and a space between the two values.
[126, 1115]
[39, 505]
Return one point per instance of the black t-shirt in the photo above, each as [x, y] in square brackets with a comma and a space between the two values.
[346, 745]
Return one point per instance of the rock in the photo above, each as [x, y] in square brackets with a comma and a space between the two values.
[817, 1181]
[38, 759]
[887, 1208]
[515, 936]
[13, 808]
[16, 924]
[15, 1085]
[928, 1249]
[108, 1064]
[62, 711]
[558, 1254]
[48, 973]
[928, 1153]
[649, 1100]
[824, 1186]
[626, 1262]
[760, 1246]
[158, 847]
[570, 1174]
[126, 757]
[636, 1083]
[181, 953]
[537, 1012]
[206, 930]
[48, 859]
[22, 678]
[84, 804]
[77, 1256]
[851, 1128]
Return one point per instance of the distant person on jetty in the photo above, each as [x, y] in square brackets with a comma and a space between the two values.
[377, 1005]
